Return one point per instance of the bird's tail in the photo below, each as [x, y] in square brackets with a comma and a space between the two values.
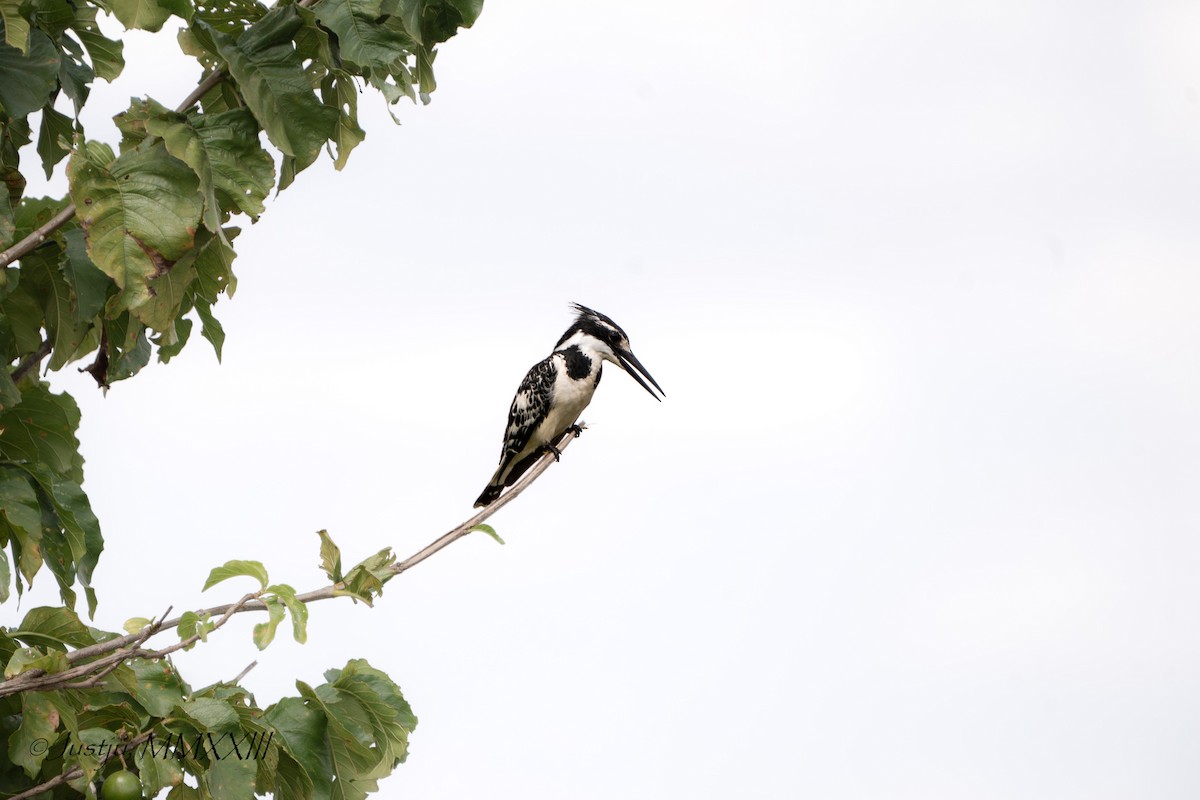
[489, 495]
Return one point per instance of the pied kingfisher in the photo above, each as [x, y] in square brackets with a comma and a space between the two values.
[556, 391]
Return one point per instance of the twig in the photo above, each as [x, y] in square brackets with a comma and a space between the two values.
[238, 678]
[35, 679]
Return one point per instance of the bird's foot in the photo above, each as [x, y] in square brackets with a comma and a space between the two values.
[576, 429]
[555, 451]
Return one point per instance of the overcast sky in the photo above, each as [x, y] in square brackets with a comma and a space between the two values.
[918, 516]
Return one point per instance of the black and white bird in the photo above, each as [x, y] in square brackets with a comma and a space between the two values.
[556, 391]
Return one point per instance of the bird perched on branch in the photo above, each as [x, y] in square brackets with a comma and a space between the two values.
[556, 391]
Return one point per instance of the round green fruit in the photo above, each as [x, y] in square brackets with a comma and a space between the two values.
[123, 785]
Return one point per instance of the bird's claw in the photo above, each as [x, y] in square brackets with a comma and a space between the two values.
[577, 430]
[555, 452]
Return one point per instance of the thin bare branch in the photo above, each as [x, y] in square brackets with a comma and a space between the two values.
[114, 651]
[504, 499]
[238, 678]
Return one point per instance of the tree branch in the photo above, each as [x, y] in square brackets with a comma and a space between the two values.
[38, 236]
[31, 361]
[115, 651]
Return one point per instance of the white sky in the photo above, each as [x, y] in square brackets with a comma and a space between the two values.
[918, 516]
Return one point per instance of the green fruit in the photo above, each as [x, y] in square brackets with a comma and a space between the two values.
[123, 785]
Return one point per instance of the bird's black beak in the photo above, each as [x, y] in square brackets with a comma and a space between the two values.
[628, 360]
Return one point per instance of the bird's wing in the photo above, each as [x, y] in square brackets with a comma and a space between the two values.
[530, 406]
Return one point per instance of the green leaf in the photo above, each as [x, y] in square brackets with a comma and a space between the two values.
[140, 213]
[193, 624]
[147, 15]
[79, 522]
[27, 80]
[107, 56]
[19, 505]
[167, 294]
[10, 395]
[232, 569]
[41, 430]
[210, 328]
[54, 138]
[264, 632]
[75, 75]
[235, 173]
[54, 628]
[73, 523]
[213, 715]
[343, 94]
[365, 581]
[331, 557]
[87, 743]
[156, 686]
[391, 718]
[270, 73]
[172, 342]
[27, 658]
[8, 227]
[231, 779]
[229, 16]
[63, 325]
[363, 41]
[16, 27]
[89, 285]
[468, 10]
[489, 530]
[214, 268]
[128, 348]
[184, 792]
[23, 319]
[300, 730]
[136, 624]
[5, 577]
[39, 723]
[349, 741]
[54, 16]
[157, 773]
[21, 522]
[299, 611]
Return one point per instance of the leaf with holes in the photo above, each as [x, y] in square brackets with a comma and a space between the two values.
[107, 55]
[236, 174]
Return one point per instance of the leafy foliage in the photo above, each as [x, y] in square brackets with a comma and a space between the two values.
[120, 271]
[334, 739]
[150, 251]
